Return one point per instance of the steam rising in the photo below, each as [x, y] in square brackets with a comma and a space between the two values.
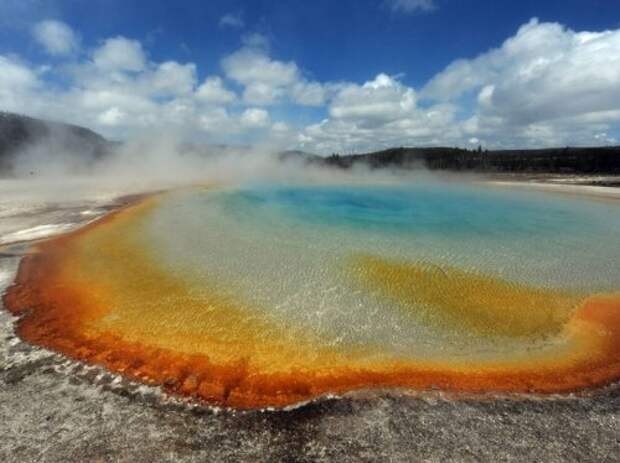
[155, 161]
[61, 179]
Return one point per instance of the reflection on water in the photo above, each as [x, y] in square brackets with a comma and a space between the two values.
[268, 295]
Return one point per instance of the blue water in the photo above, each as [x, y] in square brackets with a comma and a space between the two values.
[432, 209]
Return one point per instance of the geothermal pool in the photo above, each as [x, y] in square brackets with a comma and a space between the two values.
[270, 295]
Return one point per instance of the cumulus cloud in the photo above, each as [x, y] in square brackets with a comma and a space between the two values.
[268, 81]
[255, 117]
[119, 92]
[56, 37]
[411, 6]
[213, 90]
[247, 66]
[309, 93]
[538, 84]
[380, 100]
[15, 75]
[379, 113]
[545, 85]
[120, 54]
[233, 20]
[17, 81]
[171, 78]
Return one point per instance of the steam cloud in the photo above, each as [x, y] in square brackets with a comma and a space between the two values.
[156, 161]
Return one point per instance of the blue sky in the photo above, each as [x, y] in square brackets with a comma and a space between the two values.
[324, 76]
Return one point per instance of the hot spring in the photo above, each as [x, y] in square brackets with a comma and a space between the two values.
[269, 295]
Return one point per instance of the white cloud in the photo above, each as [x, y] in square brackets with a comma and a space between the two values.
[261, 93]
[309, 93]
[112, 117]
[15, 75]
[56, 37]
[118, 97]
[544, 85]
[380, 100]
[17, 82]
[255, 118]
[411, 6]
[120, 54]
[248, 66]
[267, 81]
[280, 127]
[233, 20]
[379, 113]
[172, 78]
[217, 121]
[213, 90]
[422, 127]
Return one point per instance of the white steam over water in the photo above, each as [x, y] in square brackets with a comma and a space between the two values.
[53, 187]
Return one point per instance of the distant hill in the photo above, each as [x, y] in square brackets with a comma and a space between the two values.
[19, 133]
[594, 160]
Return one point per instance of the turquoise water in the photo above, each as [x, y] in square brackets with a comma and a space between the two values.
[283, 248]
[429, 209]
